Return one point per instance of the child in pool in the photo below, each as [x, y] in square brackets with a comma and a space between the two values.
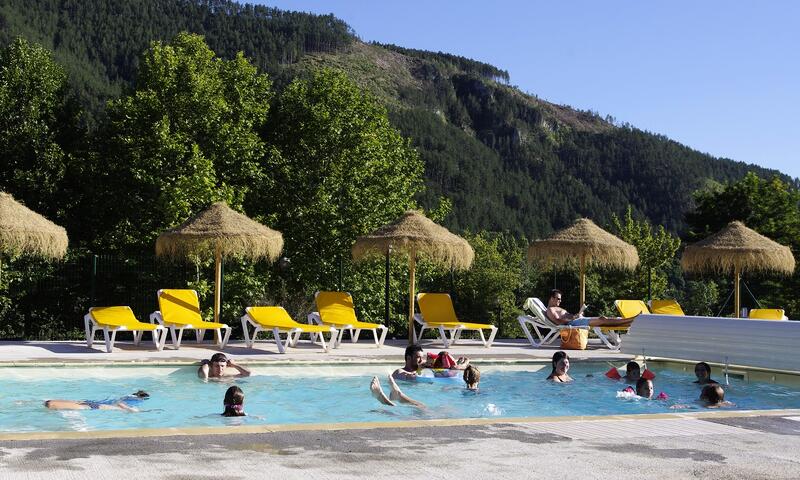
[644, 389]
[633, 372]
[234, 402]
[713, 396]
[127, 403]
[472, 377]
[703, 373]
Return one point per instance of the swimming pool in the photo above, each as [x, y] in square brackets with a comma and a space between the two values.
[332, 394]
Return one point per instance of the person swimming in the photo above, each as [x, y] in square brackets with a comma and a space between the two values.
[560, 367]
[472, 377]
[127, 403]
[713, 396]
[703, 373]
[234, 402]
[633, 372]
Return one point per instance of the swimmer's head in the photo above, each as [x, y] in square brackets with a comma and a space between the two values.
[472, 377]
[632, 371]
[702, 371]
[234, 402]
[713, 394]
[414, 356]
[644, 388]
[141, 394]
[560, 363]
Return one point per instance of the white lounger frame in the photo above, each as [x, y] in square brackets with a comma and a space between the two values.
[455, 332]
[314, 319]
[292, 334]
[110, 333]
[539, 322]
[219, 339]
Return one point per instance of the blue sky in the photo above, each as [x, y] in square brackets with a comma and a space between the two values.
[722, 77]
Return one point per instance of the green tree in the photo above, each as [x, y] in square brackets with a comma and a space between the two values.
[186, 136]
[35, 118]
[342, 172]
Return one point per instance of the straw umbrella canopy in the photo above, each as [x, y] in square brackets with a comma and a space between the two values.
[223, 232]
[415, 234]
[735, 249]
[23, 231]
[589, 244]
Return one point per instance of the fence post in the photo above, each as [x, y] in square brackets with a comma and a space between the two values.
[386, 289]
[93, 283]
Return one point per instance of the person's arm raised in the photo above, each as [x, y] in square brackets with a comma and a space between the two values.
[202, 372]
[243, 372]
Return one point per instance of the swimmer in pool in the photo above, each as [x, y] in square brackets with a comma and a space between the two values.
[127, 403]
[396, 395]
[713, 396]
[632, 372]
[703, 373]
[472, 377]
[560, 316]
[234, 402]
[221, 366]
[560, 364]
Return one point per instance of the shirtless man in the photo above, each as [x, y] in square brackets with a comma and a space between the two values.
[415, 359]
[221, 366]
[559, 316]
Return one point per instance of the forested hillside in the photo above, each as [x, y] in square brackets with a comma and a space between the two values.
[507, 160]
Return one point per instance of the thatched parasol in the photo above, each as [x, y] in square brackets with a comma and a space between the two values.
[589, 244]
[735, 249]
[416, 234]
[223, 232]
[23, 231]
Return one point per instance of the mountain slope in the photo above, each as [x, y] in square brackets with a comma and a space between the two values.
[508, 161]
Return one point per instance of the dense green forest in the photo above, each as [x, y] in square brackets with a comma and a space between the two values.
[119, 120]
[507, 160]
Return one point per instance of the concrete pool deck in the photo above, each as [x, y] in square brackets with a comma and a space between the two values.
[504, 350]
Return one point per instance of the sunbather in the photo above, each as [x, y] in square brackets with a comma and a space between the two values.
[127, 403]
[560, 364]
[396, 395]
[217, 367]
[703, 373]
[560, 316]
[234, 402]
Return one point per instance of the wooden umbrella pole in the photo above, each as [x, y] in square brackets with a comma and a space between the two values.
[583, 281]
[217, 281]
[736, 298]
[412, 263]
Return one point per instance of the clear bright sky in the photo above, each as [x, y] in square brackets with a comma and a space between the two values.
[722, 77]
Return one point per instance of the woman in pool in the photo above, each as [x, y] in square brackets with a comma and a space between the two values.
[703, 373]
[560, 364]
[234, 402]
[127, 403]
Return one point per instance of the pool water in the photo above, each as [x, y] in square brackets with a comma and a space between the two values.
[287, 395]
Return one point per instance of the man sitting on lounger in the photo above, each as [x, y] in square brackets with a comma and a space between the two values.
[560, 316]
[221, 366]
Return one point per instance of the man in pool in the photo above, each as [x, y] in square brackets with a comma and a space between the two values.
[560, 316]
[414, 360]
[127, 403]
[221, 366]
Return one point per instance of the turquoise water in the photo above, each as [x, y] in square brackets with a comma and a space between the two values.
[180, 399]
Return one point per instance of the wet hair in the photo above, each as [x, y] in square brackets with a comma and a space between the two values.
[557, 357]
[640, 384]
[713, 394]
[141, 394]
[555, 292]
[705, 366]
[218, 357]
[412, 350]
[472, 376]
[234, 402]
[631, 367]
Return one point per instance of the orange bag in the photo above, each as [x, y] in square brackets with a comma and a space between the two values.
[574, 338]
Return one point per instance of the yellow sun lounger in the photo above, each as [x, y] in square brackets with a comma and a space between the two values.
[336, 309]
[437, 313]
[119, 319]
[666, 307]
[627, 309]
[277, 321]
[767, 314]
[180, 310]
